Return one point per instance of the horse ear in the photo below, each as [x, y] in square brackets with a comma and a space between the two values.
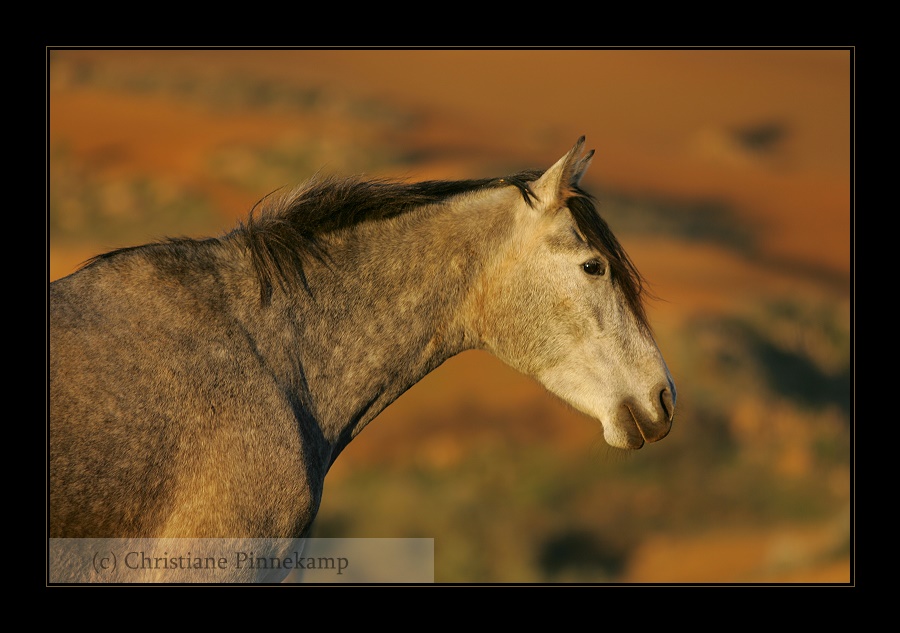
[555, 183]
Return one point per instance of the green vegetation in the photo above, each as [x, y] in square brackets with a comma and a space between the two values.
[795, 351]
[89, 205]
[513, 514]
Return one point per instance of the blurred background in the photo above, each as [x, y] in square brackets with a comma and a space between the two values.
[726, 174]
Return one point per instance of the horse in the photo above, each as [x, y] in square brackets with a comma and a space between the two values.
[202, 388]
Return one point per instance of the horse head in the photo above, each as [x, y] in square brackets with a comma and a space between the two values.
[562, 302]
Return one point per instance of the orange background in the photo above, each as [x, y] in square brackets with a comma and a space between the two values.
[763, 136]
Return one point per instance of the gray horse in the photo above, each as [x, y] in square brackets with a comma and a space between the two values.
[202, 388]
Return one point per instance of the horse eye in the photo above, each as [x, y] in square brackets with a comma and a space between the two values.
[594, 268]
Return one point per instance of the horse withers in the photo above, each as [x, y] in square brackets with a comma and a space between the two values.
[201, 389]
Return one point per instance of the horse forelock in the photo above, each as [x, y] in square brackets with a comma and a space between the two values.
[583, 207]
[625, 275]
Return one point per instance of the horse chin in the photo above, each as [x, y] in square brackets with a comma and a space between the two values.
[625, 436]
[628, 422]
[631, 428]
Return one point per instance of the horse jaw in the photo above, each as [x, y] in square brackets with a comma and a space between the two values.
[596, 389]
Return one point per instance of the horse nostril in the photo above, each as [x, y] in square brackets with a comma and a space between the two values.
[667, 400]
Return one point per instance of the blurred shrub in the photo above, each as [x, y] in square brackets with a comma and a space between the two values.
[90, 205]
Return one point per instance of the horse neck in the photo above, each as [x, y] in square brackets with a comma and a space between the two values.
[384, 308]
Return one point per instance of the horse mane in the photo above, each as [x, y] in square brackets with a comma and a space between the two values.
[282, 229]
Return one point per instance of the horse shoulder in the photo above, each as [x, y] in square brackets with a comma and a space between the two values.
[153, 383]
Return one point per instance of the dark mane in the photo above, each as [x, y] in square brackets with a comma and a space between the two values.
[601, 238]
[282, 230]
[285, 231]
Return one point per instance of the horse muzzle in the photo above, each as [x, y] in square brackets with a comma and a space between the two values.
[640, 425]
